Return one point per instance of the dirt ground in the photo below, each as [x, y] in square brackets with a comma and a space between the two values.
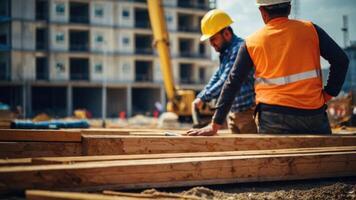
[333, 189]
[322, 189]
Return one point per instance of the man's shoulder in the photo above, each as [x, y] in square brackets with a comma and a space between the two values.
[257, 34]
[237, 41]
[237, 44]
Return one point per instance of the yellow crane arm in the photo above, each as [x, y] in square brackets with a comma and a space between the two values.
[179, 101]
[161, 41]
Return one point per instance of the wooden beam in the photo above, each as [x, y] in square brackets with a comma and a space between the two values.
[107, 195]
[71, 160]
[16, 161]
[174, 172]
[138, 131]
[102, 131]
[155, 195]
[119, 145]
[54, 195]
[9, 135]
[38, 149]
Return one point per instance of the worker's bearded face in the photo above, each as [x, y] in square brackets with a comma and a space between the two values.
[219, 42]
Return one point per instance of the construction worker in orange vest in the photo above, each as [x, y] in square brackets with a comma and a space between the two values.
[286, 54]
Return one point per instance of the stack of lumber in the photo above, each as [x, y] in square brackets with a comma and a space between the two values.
[39, 143]
[96, 160]
[177, 169]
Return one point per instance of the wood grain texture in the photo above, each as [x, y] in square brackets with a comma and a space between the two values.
[10, 135]
[67, 160]
[38, 149]
[15, 161]
[54, 195]
[119, 145]
[187, 171]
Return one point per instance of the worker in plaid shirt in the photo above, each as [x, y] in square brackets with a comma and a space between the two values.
[217, 29]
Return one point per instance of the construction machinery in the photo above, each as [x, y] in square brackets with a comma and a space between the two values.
[179, 100]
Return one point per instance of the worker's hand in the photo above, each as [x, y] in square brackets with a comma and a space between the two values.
[206, 131]
[327, 97]
[197, 103]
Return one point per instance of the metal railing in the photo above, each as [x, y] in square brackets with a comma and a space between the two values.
[193, 5]
[42, 76]
[79, 77]
[41, 46]
[79, 19]
[41, 16]
[201, 81]
[188, 29]
[78, 47]
[143, 78]
[142, 24]
[146, 51]
[186, 80]
[188, 54]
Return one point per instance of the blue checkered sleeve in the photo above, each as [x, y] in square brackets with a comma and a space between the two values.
[246, 97]
[213, 89]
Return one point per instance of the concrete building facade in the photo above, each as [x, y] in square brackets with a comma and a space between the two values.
[60, 55]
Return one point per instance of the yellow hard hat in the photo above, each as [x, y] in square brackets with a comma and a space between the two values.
[270, 2]
[214, 21]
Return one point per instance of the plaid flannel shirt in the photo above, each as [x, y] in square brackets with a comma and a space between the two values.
[245, 99]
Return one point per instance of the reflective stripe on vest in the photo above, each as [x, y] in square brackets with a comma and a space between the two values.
[289, 79]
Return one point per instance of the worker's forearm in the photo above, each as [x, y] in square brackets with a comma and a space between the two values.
[242, 67]
[338, 62]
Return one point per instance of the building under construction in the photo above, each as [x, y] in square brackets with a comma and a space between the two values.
[58, 56]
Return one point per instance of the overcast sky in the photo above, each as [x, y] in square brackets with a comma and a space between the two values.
[325, 13]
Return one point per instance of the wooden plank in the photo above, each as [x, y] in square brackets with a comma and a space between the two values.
[40, 135]
[38, 149]
[178, 171]
[127, 131]
[102, 131]
[137, 131]
[107, 195]
[16, 161]
[67, 160]
[155, 195]
[119, 145]
[54, 195]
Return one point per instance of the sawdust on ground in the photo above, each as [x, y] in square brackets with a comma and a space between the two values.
[313, 191]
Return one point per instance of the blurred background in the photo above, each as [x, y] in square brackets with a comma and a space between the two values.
[96, 56]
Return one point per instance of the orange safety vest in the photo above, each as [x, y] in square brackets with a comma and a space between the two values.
[286, 56]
